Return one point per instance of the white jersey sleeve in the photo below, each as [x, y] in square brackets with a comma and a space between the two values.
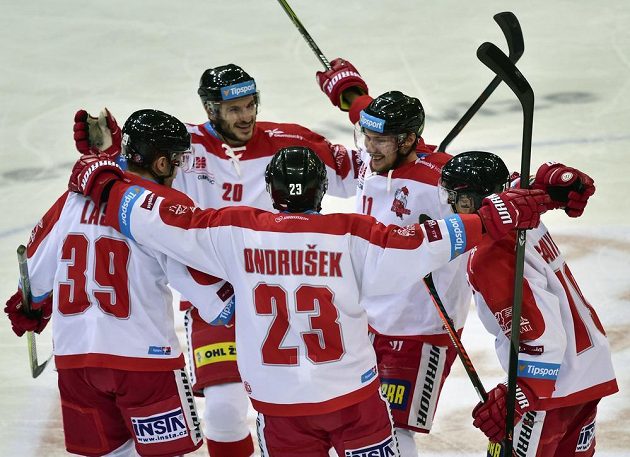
[564, 355]
[298, 279]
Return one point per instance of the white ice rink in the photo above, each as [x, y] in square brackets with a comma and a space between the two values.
[63, 55]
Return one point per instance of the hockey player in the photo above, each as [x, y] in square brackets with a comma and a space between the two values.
[564, 365]
[398, 179]
[230, 153]
[122, 375]
[304, 353]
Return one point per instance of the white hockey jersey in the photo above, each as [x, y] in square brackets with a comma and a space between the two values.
[564, 356]
[400, 197]
[301, 333]
[224, 176]
[111, 304]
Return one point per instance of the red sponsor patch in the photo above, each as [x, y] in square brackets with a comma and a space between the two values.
[433, 230]
[149, 201]
[531, 350]
[226, 291]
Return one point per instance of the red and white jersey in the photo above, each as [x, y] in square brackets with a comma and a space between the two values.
[564, 355]
[400, 197]
[301, 332]
[224, 176]
[111, 304]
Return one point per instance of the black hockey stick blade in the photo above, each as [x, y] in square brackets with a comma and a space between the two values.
[36, 368]
[307, 36]
[513, 34]
[496, 60]
[501, 65]
[511, 29]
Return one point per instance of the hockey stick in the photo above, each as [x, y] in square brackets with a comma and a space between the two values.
[320, 55]
[36, 368]
[500, 64]
[452, 332]
[514, 36]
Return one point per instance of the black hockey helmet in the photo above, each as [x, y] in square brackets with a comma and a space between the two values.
[393, 113]
[296, 180]
[475, 173]
[226, 82]
[149, 134]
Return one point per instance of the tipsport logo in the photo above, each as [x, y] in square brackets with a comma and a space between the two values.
[371, 122]
[538, 370]
[238, 90]
[162, 427]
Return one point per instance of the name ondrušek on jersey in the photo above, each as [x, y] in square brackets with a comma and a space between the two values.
[111, 304]
[564, 355]
[299, 280]
[400, 197]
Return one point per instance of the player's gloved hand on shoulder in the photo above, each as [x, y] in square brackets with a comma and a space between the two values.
[97, 135]
[489, 416]
[93, 174]
[568, 187]
[512, 209]
[342, 77]
[28, 321]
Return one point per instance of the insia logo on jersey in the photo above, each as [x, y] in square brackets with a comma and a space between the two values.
[214, 353]
[238, 90]
[385, 448]
[396, 391]
[587, 435]
[160, 427]
[399, 205]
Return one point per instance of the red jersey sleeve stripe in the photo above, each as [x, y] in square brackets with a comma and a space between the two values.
[45, 225]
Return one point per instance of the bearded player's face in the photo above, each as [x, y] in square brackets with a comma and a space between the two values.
[236, 119]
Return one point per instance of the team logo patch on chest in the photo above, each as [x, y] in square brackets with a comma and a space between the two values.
[399, 205]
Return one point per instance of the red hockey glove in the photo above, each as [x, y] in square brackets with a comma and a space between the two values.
[568, 188]
[341, 77]
[489, 417]
[92, 174]
[94, 135]
[512, 209]
[28, 321]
